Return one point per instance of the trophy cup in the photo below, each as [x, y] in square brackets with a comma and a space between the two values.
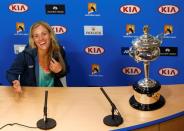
[146, 96]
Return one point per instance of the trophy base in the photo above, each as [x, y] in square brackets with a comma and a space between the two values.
[147, 107]
[148, 89]
[147, 98]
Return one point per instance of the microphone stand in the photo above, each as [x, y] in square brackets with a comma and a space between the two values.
[46, 123]
[112, 120]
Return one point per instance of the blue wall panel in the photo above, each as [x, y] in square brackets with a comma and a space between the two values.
[104, 53]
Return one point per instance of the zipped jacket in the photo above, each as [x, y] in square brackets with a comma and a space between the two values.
[26, 69]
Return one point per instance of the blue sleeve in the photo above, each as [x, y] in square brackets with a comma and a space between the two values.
[17, 68]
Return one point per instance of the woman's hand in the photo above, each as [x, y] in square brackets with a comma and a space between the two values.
[55, 66]
[16, 86]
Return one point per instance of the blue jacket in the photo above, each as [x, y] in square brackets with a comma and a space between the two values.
[26, 69]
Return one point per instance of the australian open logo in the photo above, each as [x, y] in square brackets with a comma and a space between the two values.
[168, 31]
[95, 71]
[20, 29]
[95, 68]
[130, 31]
[92, 9]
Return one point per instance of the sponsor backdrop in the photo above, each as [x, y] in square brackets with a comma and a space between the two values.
[96, 36]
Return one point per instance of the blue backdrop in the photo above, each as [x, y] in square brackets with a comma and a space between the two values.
[96, 35]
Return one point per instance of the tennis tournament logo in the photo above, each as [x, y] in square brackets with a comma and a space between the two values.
[95, 71]
[92, 9]
[130, 31]
[20, 29]
[93, 30]
[168, 31]
[95, 68]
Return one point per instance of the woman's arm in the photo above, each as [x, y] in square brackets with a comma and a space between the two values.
[16, 69]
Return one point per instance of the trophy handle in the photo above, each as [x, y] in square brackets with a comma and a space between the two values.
[160, 37]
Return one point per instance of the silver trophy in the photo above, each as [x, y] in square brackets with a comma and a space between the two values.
[146, 96]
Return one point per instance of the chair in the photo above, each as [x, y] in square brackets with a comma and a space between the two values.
[63, 80]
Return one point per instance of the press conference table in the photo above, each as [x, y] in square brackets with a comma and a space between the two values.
[83, 109]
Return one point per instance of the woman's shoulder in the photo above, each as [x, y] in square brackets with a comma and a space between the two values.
[61, 47]
[30, 51]
[62, 50]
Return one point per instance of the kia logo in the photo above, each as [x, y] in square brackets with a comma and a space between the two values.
[130, 9]
[58, 29]
[18, 7]
[168, 72]
[94, 50]
[131, 70]
[168, 9]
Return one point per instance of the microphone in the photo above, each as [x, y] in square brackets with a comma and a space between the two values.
[46, 123]
[112, 120]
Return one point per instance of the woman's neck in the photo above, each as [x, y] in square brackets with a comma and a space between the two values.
[43, 52]
[43, 58]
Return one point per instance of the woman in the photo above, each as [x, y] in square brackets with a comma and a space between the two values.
[42, 63]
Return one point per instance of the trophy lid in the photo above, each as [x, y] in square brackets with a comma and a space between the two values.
[146, 40]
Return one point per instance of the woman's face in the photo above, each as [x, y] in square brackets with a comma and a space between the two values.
[41, 37]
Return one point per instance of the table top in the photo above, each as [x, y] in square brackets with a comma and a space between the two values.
[83, 108]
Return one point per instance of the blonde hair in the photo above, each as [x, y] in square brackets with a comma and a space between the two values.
[54, 47]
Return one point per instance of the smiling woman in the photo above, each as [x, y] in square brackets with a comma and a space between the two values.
[42, 63]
